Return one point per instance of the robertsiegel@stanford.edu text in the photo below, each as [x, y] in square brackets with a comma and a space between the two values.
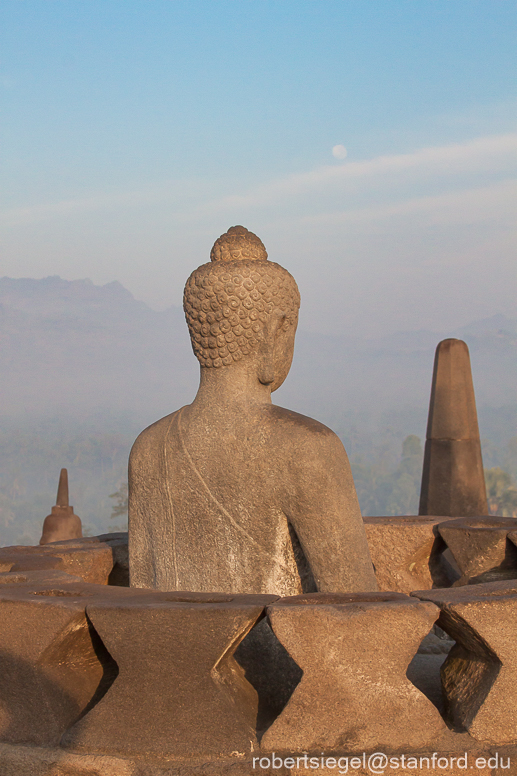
[380, 763]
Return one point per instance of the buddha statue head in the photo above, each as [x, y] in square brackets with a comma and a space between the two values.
[242, 306]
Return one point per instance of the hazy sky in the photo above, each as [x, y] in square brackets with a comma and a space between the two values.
[372, 145]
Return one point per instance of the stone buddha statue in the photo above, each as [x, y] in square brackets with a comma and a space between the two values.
[232, 493]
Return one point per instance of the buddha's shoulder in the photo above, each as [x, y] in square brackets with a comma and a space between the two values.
[299, 427]
[304, 448]
[151, 437]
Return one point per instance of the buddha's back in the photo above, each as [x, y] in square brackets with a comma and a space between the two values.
[226, 529]
[232, 493]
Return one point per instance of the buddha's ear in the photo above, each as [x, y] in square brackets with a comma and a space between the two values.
[266, 351]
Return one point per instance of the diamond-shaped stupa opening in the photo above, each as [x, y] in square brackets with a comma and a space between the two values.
[270, 669]
[424, 669]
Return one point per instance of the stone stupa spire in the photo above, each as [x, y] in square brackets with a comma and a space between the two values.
[62, 489]
[453, 482]
[62, 523]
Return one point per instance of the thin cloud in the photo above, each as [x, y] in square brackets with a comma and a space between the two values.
[178, 192]
[490, 155]
[43, 212]
[463, 206]
[191, 201]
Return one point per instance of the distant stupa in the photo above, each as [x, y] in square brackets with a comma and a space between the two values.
[62, 523]
[453, 482]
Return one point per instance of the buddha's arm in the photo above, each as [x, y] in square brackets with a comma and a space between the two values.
[151, 544]
[140, 560]
[327, 519]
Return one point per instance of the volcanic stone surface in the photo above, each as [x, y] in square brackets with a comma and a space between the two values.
[479, 676]
[51, 662]
[62, 523]
[179, 692]
[453, 482]
[354, 651]
[482, 547]
[232, 493]
[408, 552]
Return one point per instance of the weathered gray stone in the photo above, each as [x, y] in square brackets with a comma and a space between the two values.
[179, 692]
[453, 482]
[62, 523]
[232, 493]
[37, 761]
[39, 577]
[271, 671]
[118, 542]
[92, 561]
[481, 547]
[34, 761]
[51, 662]
[484, 761]
[118, 545]
[512, 536]
[354, 694]
[408, 553]
[439, 761]
[479, 676]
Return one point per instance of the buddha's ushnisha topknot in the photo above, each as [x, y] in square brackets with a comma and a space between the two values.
[228, 300]
[237, 244]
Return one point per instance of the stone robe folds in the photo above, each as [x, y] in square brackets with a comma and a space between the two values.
[201, 545]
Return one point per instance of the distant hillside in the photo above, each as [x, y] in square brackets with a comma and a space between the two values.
[74, 346]
[350, 378]
[84, 368]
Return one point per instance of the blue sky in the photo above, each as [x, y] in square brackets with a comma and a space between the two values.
[134, 133]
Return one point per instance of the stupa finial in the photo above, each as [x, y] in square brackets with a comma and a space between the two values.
[62, 524]
[62, 489]
[453, 482]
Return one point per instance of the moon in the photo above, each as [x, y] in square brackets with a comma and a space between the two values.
[339, 152]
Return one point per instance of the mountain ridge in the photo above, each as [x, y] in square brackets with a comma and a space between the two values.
[84, 368]
[79, 346]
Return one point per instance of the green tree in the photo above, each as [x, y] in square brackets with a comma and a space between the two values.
[383, 488]
[121, 500]
[501, 492]
[120, 506]
[510, 458]
[405, 491]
